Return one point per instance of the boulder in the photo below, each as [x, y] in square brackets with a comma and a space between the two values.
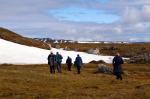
[143, 58]
[102, 68]
[97, 62]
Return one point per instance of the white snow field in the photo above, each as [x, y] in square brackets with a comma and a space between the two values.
[13, 53]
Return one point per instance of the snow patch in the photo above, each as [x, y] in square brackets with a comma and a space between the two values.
[13, 53]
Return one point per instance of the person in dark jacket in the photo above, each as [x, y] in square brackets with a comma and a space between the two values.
[117, 68]
[51, 62]
[78, 62]
[69, 63]
[58, 61]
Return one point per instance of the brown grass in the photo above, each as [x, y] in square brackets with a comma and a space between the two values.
[34, 81]
[126, 50]
[13, 37]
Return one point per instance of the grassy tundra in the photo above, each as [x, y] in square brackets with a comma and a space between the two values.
[126, 50]
[34, 81]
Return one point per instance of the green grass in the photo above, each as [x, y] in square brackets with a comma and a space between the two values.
[35, 82]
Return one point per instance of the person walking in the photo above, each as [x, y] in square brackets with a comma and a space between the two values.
[117, 68]
[78, 62]
[51, 62]
[69, 63]
[58, 62]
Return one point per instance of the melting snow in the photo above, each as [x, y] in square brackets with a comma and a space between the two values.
[13, 53]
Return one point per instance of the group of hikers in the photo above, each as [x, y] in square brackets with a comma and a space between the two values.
[55, 61]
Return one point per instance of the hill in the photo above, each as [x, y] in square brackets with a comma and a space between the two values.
[14, 37]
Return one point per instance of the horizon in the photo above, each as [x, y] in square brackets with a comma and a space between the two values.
[78, 20]
[92, 40]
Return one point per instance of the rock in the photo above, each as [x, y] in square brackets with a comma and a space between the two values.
[126, 73]
[143, 58]
[97, 62]
[93, 51]
[104, 69]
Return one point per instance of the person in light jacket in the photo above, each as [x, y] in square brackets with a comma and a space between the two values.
[58, 62]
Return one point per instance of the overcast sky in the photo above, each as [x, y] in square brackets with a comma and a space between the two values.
[102, 20]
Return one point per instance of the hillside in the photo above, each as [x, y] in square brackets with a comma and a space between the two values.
[126, 49]
[14, 37]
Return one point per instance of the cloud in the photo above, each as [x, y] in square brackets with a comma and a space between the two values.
[84, 15]
[134, 15]
[32, 18]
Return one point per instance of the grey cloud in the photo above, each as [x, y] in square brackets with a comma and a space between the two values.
[30, 18]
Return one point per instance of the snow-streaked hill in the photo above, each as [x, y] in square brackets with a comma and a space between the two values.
[11, 36]
[13, 53]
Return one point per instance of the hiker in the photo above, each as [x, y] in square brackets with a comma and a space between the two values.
[69, 63]
[58, 62]
[51, 62]
[117, 68]
[78, 62]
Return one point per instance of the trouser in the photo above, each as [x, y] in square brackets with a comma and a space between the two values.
[69, 67]
[78, 69]
[118, 76]
[59, 67]
[52, 69]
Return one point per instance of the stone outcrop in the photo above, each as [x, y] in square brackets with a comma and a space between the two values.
[102, 68]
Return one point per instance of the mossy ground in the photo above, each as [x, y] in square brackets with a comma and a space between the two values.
[35, 82]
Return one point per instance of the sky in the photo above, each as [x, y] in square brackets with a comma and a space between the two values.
[82, 20]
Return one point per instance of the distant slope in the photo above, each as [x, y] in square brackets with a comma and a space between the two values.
[14, 37]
